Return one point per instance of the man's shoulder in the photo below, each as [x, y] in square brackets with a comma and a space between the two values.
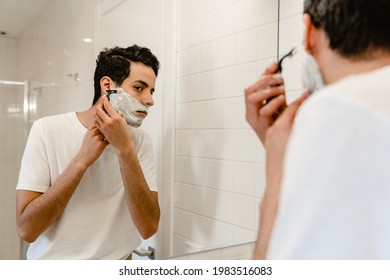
[55, 123]
[140, 134]
[142, 140]
[55, 118]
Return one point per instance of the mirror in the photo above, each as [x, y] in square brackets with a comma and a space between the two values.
[210, 165]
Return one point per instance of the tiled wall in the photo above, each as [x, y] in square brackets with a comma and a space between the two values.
[243, 251]
[223, 46]
[11, 146]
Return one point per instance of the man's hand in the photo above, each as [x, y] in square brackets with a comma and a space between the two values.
[92, 147]
[277, 138]
[264, 101]
[112, 125]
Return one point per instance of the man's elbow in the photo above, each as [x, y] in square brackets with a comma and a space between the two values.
[25, 234]
[149, 231]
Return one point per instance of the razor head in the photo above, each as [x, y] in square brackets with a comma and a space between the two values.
[289, 54]
[109, 92]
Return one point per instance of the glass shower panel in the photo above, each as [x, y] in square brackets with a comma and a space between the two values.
[12, 141]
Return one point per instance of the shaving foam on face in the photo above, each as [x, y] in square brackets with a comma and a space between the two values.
[311, 75]
[127, 105]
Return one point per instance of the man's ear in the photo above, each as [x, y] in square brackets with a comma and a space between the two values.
[310, 34]
[105, 84]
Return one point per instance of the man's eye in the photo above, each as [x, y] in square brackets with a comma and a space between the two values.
[137, 88]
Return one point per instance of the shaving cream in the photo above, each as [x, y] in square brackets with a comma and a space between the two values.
[127, 105]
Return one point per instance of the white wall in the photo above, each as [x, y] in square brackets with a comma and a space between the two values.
[52, 48]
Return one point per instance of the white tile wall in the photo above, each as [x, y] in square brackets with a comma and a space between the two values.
[249, 8]
[245, 49]
[226, 82]
[267, 41]
[233, 252]
[227, 20]
[268, 11]
[209, 5]
[224, 173]
[236, 40]
[208, 27]
[206, 200]
[207, 167]
[208, 56]
[226, 50]
[188, 9]
[186, 197]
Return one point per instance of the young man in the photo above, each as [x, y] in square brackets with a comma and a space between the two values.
[87, 186]
[328, 185]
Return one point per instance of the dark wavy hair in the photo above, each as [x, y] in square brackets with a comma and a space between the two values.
[116, 63]
[356, 28]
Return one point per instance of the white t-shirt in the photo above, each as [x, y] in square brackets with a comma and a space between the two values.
[335, 197]
[96, 223]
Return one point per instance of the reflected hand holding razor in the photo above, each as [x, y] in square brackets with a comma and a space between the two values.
[289, 54]
[279, 69]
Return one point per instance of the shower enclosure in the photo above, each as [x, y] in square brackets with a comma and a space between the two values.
[15, 116]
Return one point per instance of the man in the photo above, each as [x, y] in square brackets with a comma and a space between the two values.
[328, 185]
[87, 185]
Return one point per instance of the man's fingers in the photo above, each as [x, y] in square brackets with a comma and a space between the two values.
[108, 108]
[275, 105]
[265, 82]
[292, 109]
[301, 99]
[271, 69]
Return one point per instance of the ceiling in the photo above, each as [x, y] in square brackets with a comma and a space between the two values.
[16, 15]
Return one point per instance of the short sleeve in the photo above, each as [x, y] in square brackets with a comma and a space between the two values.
[34, 173]
[146, 158]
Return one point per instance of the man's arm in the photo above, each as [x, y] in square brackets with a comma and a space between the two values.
[36, 211]
[264, 101]
[261, 115]
[142, 202]
[275, 144]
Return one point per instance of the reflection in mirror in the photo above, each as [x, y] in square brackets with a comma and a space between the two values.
[210, 165]
[219, 162]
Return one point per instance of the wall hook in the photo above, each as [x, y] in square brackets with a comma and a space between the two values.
[74, 76]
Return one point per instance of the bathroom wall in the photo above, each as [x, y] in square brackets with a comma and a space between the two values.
[11, 146]
[223, 46]
[53, 50]
[242, 251]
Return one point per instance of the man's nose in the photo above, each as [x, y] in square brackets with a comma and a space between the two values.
[148, 99]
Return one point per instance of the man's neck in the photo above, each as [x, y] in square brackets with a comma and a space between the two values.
[87, 117]
[335, 67]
